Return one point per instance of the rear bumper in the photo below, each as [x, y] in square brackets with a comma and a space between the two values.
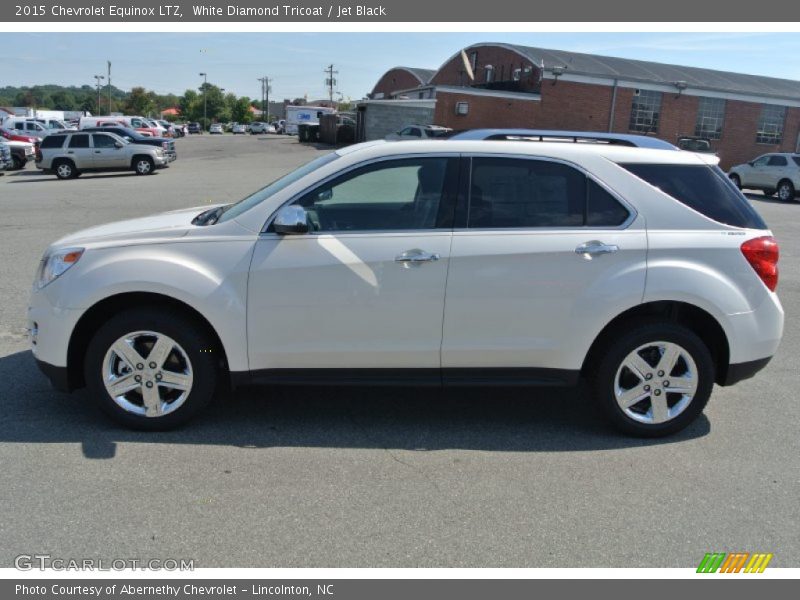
[740, 371]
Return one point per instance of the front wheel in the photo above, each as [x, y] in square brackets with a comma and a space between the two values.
[653, 380]
[736, 181]
[151, 369]
[144, 165]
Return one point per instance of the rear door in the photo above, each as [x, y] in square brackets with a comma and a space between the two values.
[542, 258]
[80, 151]
[777, 168]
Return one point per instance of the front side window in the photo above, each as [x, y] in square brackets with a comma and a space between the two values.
[645, 111]
[103, 141]
[710, 117]
[761, 161]
[406, 194]
[770, 124]
[522, 193]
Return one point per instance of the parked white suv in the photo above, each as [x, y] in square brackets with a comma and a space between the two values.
[69, 154]
[775, 173]
[452, 262]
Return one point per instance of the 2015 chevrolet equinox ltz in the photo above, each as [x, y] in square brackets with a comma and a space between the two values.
[459, 262]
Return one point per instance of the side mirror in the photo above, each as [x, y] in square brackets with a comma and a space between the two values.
[291, 220]
[751, 162]
[118, 144]
[325, 195]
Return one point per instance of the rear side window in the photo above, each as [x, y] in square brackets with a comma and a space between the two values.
[796, 160]
[79, 141]
[777, 161]
[54, 141]
[703, 188]
[509, 193]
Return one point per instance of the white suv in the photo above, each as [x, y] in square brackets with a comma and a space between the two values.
[446, 262]
[777, 173]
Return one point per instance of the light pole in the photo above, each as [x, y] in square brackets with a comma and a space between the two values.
[205, 99]
[98, 78]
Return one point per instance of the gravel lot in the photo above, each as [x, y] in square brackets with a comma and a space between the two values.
[324, 477]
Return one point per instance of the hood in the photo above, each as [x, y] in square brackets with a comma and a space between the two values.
[163, 226]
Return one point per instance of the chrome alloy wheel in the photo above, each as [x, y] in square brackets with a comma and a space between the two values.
[147, 373]
[785, 192]
[656, 382]
[143, 166]
[64, 170]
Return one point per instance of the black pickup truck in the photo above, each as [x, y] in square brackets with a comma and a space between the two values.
[137, 138]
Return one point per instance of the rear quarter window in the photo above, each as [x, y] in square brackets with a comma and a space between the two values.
[53, 141]
[703, 188]
[796, 160]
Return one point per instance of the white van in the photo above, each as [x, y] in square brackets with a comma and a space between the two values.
[304, 115]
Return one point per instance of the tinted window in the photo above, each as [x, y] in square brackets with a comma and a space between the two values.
[393, 195]
[761, 161]
[79, 141]
[53, 141]
[525, 193]
[103, 141]
[602, 209]
[777, 161]
[796, 160]
[705, 189]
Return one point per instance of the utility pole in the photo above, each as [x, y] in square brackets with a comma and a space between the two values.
[330, 81]
[98, 78]
[205, 99]
[109, 87]
[264, 97]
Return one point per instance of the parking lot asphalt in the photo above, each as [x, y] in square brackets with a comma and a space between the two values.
[373, 477]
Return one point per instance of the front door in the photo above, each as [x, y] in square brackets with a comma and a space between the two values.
[106, 153]
[364, 289]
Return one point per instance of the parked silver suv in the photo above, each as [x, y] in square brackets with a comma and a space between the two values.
[775, 173]
[69, 154]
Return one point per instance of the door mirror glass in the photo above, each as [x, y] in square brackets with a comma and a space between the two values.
[291, 220]
[326, 194]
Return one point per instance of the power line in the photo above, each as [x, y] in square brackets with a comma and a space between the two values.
[330, 81]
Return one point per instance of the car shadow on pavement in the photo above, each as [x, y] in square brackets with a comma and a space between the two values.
[763, 198]
[415, 419]
[48, 177]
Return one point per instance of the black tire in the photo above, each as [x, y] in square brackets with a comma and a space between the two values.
[736, 180]
[18, 162]
[193, 340]
[65, 169]
[144, 165]
[785, 191]
[603, 376]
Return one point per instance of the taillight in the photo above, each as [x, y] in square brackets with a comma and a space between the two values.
[762, 253]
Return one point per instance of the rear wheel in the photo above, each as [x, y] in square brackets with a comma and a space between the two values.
[654, 379]
[151, 369]
[65, 169]
[785, 191]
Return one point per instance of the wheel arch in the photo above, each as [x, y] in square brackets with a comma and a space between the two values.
[682, 313]
[99, 313]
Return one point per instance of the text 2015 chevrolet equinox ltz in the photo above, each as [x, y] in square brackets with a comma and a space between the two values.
[458, 262]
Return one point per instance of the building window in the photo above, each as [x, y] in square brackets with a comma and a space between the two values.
[473, 60]
[645, 110]
[710, 116]
[489, 73]
[517, 74]
[770, 125]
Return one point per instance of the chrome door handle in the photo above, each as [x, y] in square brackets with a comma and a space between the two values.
[416, 256]
[595, 248]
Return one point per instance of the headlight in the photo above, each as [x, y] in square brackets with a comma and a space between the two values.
[159, 151]
[53, 265]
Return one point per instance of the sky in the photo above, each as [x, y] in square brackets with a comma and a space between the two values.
[170, 62]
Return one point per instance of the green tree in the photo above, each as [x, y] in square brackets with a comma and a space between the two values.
[139, 102]
[240, 111]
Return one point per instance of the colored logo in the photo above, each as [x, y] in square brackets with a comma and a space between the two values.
[734, 562]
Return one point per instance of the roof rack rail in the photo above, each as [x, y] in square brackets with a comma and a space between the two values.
[547, 135]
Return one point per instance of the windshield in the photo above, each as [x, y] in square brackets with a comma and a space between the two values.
[234, 210]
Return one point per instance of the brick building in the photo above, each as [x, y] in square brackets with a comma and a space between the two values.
[504, 85]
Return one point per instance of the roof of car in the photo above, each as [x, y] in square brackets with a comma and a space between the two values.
[563, 150]
[623, 139]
